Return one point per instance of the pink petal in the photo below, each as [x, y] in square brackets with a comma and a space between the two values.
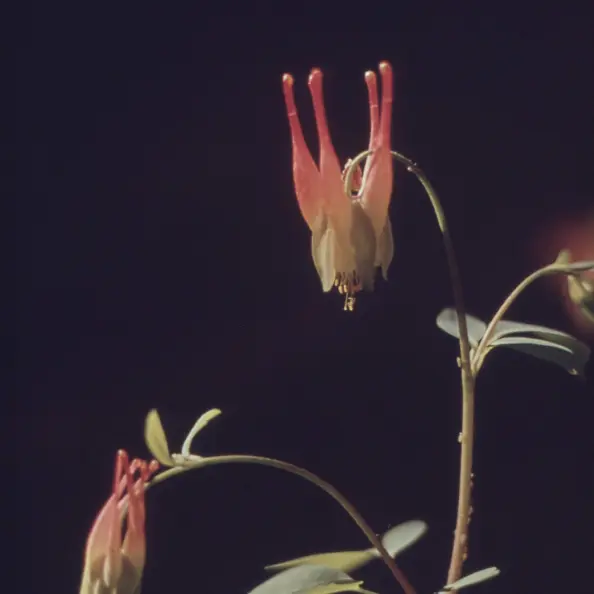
[104, 541]
[371, 82]
[378, 176]
[306, 176]
[109, 564]
[337, 205]
[386, 116]
[134, 547]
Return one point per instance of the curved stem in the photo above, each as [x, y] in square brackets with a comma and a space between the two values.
[308, 476]
[481, 350]
[466, 438]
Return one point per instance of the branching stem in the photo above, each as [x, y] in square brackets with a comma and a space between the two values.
[308, 476]
[481, 351]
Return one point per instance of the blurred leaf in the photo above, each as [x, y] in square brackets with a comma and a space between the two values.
[474, 578]
[307, 578]
[395, 541]
[447, 320]
[155, 439]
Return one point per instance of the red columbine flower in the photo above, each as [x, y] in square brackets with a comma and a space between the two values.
[579, 293]
[113, 566]
[351, 233]
[575, 238]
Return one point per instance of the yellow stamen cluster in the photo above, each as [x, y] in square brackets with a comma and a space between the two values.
[348, 284]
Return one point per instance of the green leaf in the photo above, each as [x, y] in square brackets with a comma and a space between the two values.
[202, 421]
[574, 361]
[342, 560]
[545, 350]
[155, 439]
[401, 537]
[307, 578]
[539, 341]
[474, 578]
[507, 327]
[395, 541]
[332, 588]
[447, 320]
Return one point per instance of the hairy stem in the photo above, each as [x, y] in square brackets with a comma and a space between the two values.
[308, 476]
[466, 438]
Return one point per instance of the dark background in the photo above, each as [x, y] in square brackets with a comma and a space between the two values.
[163, 263]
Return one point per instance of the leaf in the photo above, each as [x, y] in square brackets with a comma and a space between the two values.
[202, 421]
[447, 320]
[342, 560]
[574, 361]
[155, 439]
[401, 537]
[545, 343]
[306, 578]
[507, 327]
[395, 541]
[332, 588]
[544, 349]
[474, 578]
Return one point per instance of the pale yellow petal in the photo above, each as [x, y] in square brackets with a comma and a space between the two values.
[364, 245]
[385, 249]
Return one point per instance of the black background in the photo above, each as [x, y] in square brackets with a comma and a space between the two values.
[163, 263]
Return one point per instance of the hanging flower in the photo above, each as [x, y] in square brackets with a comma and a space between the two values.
[573, 239]
[351, 232]
[113, 565]
[580, 292]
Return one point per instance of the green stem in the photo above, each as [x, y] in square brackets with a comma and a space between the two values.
[481, 350]
[466, 438]
[312, 478]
